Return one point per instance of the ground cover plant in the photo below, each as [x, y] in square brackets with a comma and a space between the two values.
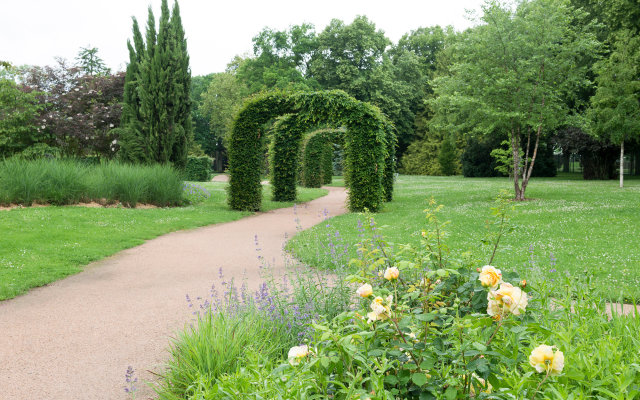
[49, 243]
[429, 321]
[568, 226]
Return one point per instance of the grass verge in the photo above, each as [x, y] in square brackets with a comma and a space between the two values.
[43, 244]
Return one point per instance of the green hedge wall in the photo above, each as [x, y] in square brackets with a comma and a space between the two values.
[245, 148]
[198, 169]
[284, 157]
[327, 163]
[313, 157]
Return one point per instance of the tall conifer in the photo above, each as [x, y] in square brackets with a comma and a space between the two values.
[162, 82]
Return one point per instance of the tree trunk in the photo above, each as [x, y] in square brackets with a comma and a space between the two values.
[515, 151]
[622, 164]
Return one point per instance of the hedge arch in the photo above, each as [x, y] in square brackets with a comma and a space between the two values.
[368, 142]
[317, 159]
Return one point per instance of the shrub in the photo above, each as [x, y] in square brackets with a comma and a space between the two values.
[198, 169]
[429, 325]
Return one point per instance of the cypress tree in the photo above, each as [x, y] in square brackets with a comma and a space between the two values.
[132, 146]
[182, 75]
[162, 83]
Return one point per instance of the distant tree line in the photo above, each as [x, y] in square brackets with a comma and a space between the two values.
[532, 80]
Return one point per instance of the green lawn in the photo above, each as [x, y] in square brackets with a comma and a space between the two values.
[43, 244]
[589, 227]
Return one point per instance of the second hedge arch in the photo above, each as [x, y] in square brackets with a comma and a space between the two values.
[317, 156]
[369, 143]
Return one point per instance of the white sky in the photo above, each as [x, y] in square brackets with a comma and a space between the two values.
[36, 31]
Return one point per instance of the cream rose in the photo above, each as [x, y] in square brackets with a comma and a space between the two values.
[391, 273]
[365, 290]
[490, 276]
[507, 299]
[547, 359]
[297, 353]
[379, 310]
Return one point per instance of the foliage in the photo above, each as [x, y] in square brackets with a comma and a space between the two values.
[18, 112]
[512, 74]
[49, 243]
[476, 158]
[615, 107]
[198, 169]
[364, 146]
[327, 163]
[421, 157]
[596, 156]
[157, 126]
[354, 57]
[66, 181]
[221, 101]
[90, 63]
[317, 163]
[77, 111]
[201, 134]
[447, 157]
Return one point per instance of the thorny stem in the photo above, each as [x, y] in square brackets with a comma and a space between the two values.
[495, 247]
[413, 357]
[540, 384]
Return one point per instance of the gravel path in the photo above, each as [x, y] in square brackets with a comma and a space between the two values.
[75, 338]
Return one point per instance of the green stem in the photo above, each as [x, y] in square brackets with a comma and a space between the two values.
[539, 385]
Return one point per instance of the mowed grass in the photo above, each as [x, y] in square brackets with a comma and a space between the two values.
[40, 245]
[583, 228]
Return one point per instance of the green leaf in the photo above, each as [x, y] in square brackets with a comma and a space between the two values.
[451, 393]
[419, 378]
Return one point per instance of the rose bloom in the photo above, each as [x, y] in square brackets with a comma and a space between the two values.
[547, 359]
[507, 299]
[391, 274]
[297, 353]
[365, 290]
[490, 276]
[484, 386]
[380, 310]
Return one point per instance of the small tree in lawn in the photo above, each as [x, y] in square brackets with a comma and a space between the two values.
[615, 108]
[512, 74]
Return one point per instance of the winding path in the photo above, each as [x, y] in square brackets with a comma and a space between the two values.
[75, 338]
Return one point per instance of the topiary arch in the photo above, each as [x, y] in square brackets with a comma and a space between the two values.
[369, 142]
[317, 156]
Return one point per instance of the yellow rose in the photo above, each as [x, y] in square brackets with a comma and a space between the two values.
[490, 276]
[507, 299]
[297, 353]
[484, 386]
[380, 310]
[365, 290]
[547, 359]
[391, 274]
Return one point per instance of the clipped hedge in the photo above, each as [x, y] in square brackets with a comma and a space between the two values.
[327, 163]
[284, 157]
[198, 169]
[365, 145]
[317, 163]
